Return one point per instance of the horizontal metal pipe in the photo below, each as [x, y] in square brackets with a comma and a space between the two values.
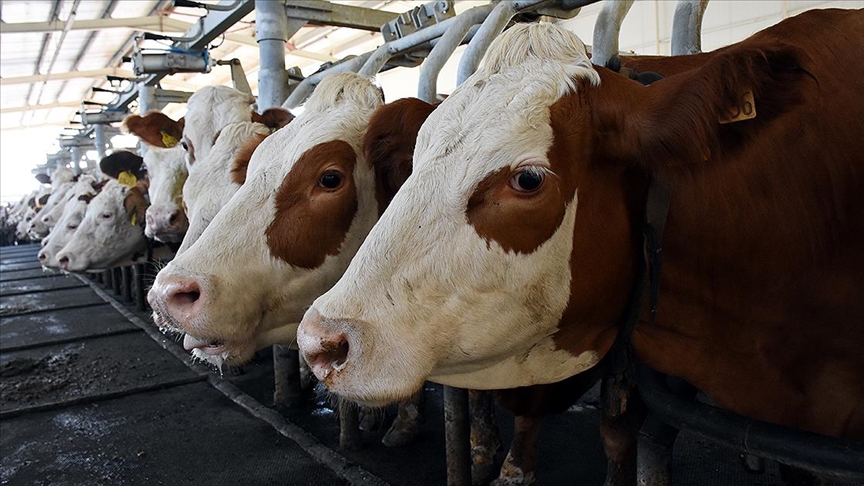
[428, 86]
[823, 455]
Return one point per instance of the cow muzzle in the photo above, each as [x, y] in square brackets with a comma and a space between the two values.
[167, 225]
[179, 300]
[326, 349]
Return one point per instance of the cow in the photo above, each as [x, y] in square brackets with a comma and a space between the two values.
[307, 199]
[112, 231]
[61, 182]
[83, 192]
[209, 183]
[509, 255]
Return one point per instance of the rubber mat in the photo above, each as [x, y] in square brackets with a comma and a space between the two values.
[85, 370]
[39, 284]
[187, 435]
[42, 301]
[62, 325]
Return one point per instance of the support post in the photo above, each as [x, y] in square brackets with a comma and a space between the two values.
[127, 283]
[116, 281]
[286, 375]
[138, 272]
[457, 429]
[271, 31]
[349, 426]
[76, 159]
[99, 139]
[108, 279]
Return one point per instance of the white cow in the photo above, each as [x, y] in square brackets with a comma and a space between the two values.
[73, 213]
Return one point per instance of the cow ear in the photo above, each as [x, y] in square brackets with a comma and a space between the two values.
[275, 118]
[43, 200]
[86, 197]
[135, 205]
[700, 114]
[122, 161]
[388, 144]
[155, 128]
[244, 155]
[43, 178]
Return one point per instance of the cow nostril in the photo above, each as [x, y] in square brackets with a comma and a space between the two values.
[183, 299]
[41, 256]
[173, 219]
[331, 355]
[64, 262]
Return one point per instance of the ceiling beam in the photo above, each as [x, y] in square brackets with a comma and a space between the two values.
[47, 106]
[94, 73]
[155, 24]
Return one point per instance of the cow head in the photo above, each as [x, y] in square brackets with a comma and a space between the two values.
[462, 278]
[283, 238]
[47, 216]
[112, 231]
[208, 111]
[217, 177]
[73, 213]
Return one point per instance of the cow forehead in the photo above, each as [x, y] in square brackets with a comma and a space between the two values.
[490, 122]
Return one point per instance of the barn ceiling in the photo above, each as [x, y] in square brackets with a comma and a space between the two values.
[54, 52]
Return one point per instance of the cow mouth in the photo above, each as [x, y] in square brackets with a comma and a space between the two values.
[212, 347]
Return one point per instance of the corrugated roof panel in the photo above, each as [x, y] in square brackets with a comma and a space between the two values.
[19, 53]
[126, 9]
[27, 11]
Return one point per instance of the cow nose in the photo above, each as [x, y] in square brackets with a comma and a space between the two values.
[64, 262]
[183, 298]
[42, 256]
[325, 350]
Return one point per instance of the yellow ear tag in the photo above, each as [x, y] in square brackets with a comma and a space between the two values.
[167, 140]
[127, 178]
[744, 109]
[134, 218]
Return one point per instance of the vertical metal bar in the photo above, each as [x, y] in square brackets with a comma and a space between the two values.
[286, 375]
[138, 273]
[107, 279]
[687, 27]
[271, 29]
[116, 281]
[349, 426]
[99, 139]
[457, 430]
[76, 159]
[127, 283]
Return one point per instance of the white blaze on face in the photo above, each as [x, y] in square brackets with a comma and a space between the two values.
[166, 174]
[209, 185]
[209, 110]
[252, 297]
[427, 294]
[67, 225]
[108, 235]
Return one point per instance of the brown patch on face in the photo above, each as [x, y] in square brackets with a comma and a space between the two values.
[388, 144]
[149, 128]
[244, 155]
[275, 118]
[311, 221]
[136, 204]
[518, 221]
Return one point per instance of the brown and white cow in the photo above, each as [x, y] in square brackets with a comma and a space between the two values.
[82, 193]
[508, 257]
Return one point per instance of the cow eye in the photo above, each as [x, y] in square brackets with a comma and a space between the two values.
[183, 144]
[330, 180]
[106, 215]
[528, 180]
[71, 226]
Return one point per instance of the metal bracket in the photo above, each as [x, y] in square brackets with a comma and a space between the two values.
[106, 117]
[417, 18]
[238, 77]
[338, 15]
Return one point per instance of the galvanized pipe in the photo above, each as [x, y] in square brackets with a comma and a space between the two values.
[127, 283]
[305, 88]
[381, 55]
[687, 27]
[271, 30]
[76, 159]
[427, 89]
[138, 274]
[494, 25]
[607, 29]
[99, 139]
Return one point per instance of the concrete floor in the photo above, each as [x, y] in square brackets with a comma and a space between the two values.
[88, 397]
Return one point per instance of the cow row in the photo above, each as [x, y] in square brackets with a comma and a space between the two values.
[495, 241]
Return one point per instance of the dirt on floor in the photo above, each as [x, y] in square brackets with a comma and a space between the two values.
[26, 379]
